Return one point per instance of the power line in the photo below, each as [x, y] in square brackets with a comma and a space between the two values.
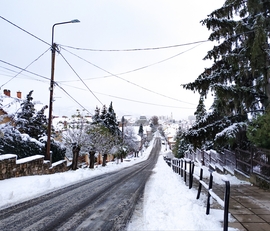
[57, 84]
[136, 101]
[25, 31]
[80, 79]
[128, 80]
[24, 68]
[137, 49]
[131, 100]
[46, 79]
[137, 69]
[72, 97]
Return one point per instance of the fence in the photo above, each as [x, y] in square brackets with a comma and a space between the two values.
[185, 167]
[254, 161]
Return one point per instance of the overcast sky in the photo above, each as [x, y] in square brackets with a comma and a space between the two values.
[152, 84]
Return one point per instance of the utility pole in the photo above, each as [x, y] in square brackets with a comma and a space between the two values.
[53, 48]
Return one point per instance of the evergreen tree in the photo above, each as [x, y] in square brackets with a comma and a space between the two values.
[258, 131]
[40, 124]
[29, 121]
[103, 115]
[140, 133]
[239, 76]
[24, 118]
[96, 118]
[181, 144]
[110, 121]
[200, 113]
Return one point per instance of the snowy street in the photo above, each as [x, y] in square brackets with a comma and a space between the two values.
[167, 203]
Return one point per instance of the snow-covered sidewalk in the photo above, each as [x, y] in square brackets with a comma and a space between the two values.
[168, 204]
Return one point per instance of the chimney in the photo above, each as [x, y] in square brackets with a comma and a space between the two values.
[7, 92]
[19, 94]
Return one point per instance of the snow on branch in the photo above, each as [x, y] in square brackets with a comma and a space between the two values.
[231, 131]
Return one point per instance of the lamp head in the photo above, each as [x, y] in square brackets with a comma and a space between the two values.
[74, 21]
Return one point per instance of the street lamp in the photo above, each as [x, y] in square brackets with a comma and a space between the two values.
[53, 48]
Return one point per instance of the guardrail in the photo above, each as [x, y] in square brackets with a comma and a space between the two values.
[185, 167]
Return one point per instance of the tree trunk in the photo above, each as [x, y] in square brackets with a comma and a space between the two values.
[92, 159]
[75, 150]
[104, 160]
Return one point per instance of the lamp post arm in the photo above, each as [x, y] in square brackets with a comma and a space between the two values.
[60, 23]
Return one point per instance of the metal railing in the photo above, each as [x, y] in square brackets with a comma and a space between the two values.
[185, 167]
[247, 161]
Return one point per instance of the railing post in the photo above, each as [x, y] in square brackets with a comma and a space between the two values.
[209, 195]
[185, 172]
[181, 167]
[226, 205]
[203, 161]
[191, 171]
[200, 185]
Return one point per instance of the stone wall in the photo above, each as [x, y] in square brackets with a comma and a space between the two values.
[33, 165]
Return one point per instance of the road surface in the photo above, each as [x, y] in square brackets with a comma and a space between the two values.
[105, 202]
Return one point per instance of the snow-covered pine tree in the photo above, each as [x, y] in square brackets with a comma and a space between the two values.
[102, 116]
[39, 124]
[24, 116]
[201, 111]
[12, 141]
[140, 133]
[110, 121]
[239, 76]
[96, 117]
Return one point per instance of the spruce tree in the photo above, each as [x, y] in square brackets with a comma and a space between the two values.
[40, 124]
[239, 76]
[103, 115]
[140, 133]
[24, 117]
[110, 121]
[96, 118]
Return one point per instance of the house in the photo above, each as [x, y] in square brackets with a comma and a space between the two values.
[142, 120]
[9, 105]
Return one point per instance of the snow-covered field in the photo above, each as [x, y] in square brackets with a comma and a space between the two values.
[167, 203]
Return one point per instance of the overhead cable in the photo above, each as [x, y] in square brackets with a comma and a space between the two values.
[46, 79]
[137, 69]
[128, 80]
[136, 101]
[72, 97]
[131, 100]
[136, 49]
[80, 78]
[25, 31]
[24, 68]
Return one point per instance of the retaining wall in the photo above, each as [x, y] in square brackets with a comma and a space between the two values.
[34, 165]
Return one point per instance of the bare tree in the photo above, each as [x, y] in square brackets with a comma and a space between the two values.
[131, 139]
[102, 140]
[76, 136]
